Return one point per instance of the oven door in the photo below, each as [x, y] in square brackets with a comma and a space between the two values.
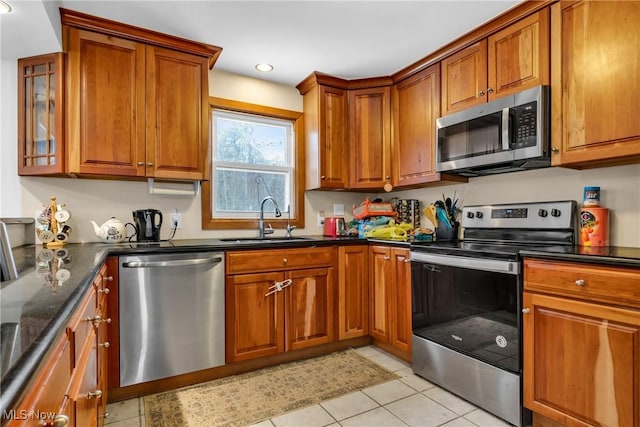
[469, 305]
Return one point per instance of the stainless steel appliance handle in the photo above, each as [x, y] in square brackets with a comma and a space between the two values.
[505, 129]
[171, 263]
[484, 264]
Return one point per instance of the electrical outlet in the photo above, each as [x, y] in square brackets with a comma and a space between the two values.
[321, 219]
[176, 219]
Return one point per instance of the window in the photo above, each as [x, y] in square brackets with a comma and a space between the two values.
[255, 152]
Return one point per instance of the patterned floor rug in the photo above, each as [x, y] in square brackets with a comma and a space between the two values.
[245, 399]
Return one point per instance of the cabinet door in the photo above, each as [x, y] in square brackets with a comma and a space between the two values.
[310, 308]
[40, 123]
[581, 361]
[596, 82]
[519, 56]
[464, 78]
[106, 104]
[400, 303]
[333, 137]
[416, 106]
[177, 114]
[83, 391]
[370, 137]
[353, 291]
[254, 321]
[379, 291]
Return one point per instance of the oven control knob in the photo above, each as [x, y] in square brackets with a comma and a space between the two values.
[555, 212]
[470, 215]
[542, 212]
[479, 214]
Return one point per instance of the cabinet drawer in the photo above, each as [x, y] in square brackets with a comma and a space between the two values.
[278, 259]
[83, 323]
[47, 394]
[615, 285]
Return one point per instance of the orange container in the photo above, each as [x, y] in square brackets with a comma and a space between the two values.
[594, 226]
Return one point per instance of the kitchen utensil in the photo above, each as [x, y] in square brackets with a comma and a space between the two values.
[430, 213]
[112, 231]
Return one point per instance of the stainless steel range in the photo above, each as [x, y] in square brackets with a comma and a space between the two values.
[467, 301]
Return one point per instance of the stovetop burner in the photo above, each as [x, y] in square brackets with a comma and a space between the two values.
[502, 231]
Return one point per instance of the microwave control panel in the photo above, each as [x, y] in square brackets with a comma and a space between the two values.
[526, 125]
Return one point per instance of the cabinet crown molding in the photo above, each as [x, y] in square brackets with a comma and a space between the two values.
[106, 26]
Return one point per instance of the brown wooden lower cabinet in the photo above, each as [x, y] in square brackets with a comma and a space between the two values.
[581, 354]
[71, 384]
[262, 320]
[353, 291]
[390, 299]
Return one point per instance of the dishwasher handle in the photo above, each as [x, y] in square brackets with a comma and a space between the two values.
[172, 263]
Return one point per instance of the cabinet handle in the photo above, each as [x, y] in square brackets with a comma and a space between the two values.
[285, 260]
[94, 394]
[149, 164]
[579, 282]
[481, 93]
[555, 150]
[140, 163]
[98, 319]
[104, 344]
[104, 291]
[387, 177]
[322, 177]
[105, 415]
[107, 279]
[526, 310]
[490, 90]
[58, 421]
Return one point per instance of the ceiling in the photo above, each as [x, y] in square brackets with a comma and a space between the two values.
[348, 39]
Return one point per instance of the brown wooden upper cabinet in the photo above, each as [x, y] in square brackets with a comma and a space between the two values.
[595, 58]
[508, 61]
[415, 108]
[135, 109]
[125, 102]
[370, 137]
[40, 114]
[325, 125]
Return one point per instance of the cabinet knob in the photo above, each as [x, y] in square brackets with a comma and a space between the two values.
[140, 163]
[285, 260]
[526, 310]
[407, 260]
[149, 164]
[94, 394]
[104, 344]
[58, 421]
[579, 282]
[108, 279]
[104, 291]
[489, 90]
[481, 93]
[105, 415]
[323, 177]
[386, 258]
[555, 150]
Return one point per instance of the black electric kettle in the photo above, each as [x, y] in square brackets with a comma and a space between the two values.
[147, 223]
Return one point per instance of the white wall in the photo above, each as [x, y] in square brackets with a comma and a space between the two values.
[98, 200]
[619, 191]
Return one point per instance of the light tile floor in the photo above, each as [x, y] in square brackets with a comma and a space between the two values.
[407, 401]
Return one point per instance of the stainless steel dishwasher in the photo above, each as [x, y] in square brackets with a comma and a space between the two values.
[171, 309]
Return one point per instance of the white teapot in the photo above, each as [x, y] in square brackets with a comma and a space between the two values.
[112, 231]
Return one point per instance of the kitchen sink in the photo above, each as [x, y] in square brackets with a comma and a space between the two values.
[264, 239]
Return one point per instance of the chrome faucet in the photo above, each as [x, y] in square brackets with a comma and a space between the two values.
[262, 230]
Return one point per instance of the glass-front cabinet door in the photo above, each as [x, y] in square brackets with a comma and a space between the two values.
[40, 114]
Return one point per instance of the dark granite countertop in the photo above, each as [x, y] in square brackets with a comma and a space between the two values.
[609, 255]
[36, 307]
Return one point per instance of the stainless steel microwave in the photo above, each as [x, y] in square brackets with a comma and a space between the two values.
[506, 135]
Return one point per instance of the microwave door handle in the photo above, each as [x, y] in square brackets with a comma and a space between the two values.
[505, 129]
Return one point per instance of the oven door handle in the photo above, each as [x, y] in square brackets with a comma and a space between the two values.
[484, 264]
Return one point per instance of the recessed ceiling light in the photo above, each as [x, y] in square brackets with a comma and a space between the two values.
[4, 7]
[265, 68]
